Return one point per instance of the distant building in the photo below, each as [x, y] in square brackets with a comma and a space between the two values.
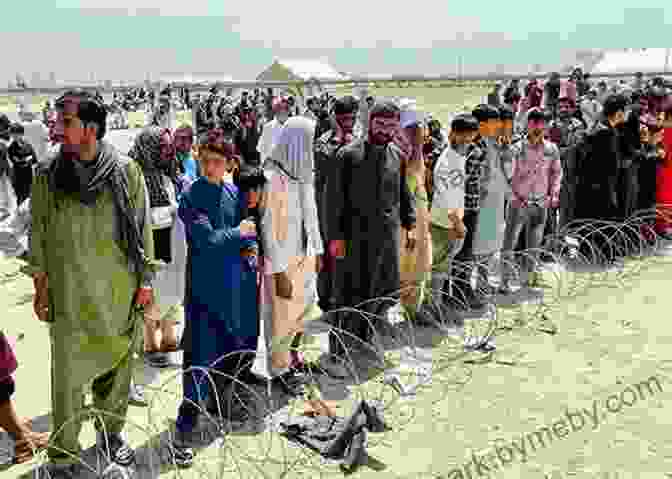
[303, 70]
[632, 60]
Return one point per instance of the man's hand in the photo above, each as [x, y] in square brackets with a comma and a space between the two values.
[41, 298]
[247, 228]
[283, 285]
[337, 249]
[458, 231]
[410, 239]
[144, 297]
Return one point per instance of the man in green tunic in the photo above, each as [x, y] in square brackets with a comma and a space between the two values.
[91, 240]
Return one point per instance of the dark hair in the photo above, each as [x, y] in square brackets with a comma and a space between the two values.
[17, 129]
[506, 113]
[249, 178]
[89, 109]
[345, 105]
[536, 114]
[613, 104]
[227, 150]
[485, 112]
[464, 123]
[385, 109]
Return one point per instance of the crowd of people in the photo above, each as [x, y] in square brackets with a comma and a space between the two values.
[263, 217]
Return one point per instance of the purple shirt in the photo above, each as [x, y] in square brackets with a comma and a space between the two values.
[8, 362]
[537, 174]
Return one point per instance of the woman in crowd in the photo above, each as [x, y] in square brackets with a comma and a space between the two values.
[293, 249]
[153, 150]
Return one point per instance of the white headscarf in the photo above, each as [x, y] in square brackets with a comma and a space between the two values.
[294, 149]
[293, 155]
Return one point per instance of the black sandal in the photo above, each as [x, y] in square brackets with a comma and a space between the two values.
[120, 452]
[183, 456]
[157, 359]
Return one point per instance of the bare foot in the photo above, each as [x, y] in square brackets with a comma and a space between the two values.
[31, 442]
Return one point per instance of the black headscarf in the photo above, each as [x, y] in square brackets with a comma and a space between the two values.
[147, 152]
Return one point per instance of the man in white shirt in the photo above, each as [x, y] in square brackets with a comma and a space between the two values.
[273, 128]
[447, 211]
[36, 132]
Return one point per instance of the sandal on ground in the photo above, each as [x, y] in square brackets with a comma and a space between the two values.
[182, 455]
[157, 359]
[120, 452]
[136, 396]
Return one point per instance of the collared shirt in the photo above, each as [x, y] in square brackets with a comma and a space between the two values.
[537, 174]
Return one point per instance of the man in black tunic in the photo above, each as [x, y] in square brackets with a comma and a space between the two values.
[567, 133]
[368, 204]
[598, 172]
[23, 158]
[247, 136]
[326, 148]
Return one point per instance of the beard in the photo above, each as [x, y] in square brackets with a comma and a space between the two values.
[65, 175]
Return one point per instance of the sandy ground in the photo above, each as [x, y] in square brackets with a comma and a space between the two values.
[612, 336]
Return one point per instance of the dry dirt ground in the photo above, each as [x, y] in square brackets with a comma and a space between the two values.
[613, 336]
[504, 411]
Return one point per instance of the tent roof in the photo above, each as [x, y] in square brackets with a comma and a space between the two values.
[307, 69]
[645, 60]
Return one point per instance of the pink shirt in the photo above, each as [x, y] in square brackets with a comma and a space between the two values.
[537, 174]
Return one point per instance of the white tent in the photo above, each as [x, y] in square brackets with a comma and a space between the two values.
[305, 70]
[633, 60]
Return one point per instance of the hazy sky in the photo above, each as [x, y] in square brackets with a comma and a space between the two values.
[124, 39]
